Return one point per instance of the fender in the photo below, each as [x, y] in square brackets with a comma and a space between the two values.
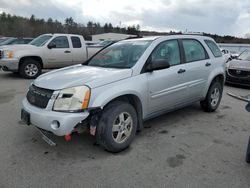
[216, 72]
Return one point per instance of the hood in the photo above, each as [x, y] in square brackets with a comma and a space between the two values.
[18, 47]
[80, 75]
[239, 64]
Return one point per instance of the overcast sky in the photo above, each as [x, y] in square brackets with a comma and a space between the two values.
[224, 17]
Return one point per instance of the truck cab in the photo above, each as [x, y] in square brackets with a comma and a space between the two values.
[47, 51]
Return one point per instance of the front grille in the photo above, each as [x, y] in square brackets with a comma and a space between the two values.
[242, 81]
[238, 73]
[39, 97]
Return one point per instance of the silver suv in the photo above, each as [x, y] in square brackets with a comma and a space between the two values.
[111, 94]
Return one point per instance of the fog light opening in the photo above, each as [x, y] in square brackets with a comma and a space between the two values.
[55, 125]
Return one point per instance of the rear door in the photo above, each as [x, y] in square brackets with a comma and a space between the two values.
[79, 53]
[60, 55]
[197, 68]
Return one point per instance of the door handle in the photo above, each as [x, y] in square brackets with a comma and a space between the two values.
[181, 71]
[208, 64]
[67, 51]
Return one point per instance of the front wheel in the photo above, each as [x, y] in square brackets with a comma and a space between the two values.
[30, 69]
[117, 126]
[213, 98]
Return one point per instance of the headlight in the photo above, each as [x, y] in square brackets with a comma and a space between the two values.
[74, 99]
[8, 54]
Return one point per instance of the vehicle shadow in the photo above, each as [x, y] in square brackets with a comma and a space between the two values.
[83, 146]
[237, 86]
[9, 75]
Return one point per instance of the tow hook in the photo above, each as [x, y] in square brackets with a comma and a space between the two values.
[93, 123]
[67, 137]
[92, 130]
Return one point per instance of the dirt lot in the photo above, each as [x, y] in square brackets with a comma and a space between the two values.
[186, 148]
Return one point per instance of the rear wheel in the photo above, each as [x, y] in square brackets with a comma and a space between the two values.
[213, 98]
[30, 69]
[117, 126]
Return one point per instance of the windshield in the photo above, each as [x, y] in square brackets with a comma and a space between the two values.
[9, 41]
[120, 55]
[245, 56]
[41, 40]
[106, 43]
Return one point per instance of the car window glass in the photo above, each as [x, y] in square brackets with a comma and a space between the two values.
[61, 42]
[245, 56]
[169, 51]
[214, 48]
[76, 42]
[193, 50]
[120, 55]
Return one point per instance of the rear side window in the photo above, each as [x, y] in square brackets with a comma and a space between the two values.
[214, 48]
[194, 51]
[168, 50]
[76, 42]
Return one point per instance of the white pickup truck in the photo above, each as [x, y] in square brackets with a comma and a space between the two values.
[47, 51]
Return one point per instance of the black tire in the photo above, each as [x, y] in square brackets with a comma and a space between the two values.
[207, 105]
[27, 63]
[248, 152]
[105, 134]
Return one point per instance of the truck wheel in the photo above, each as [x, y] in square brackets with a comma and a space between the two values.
[30, 69]
[248, 152]
[117, 126]
[213, 98]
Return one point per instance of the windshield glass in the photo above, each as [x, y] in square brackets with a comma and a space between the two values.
[245, 56]
[41, 40]
[106, 42]
[120, 55]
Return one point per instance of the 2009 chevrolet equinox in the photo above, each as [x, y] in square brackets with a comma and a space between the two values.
[126, 83]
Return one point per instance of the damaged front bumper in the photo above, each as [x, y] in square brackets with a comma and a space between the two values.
[59, 123]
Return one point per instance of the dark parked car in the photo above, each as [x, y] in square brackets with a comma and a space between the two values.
[2, 39]
[11, 41]
[238, 70]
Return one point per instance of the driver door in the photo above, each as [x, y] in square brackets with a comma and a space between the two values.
[60, 54]
[167, 87]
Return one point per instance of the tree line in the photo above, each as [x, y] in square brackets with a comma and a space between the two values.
[18, 26]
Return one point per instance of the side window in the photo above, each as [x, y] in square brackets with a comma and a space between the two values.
[61, 42]
[168, 50]
[214, 48]
[193, 50]
[76, 42]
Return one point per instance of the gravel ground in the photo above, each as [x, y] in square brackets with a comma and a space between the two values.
[185, 148]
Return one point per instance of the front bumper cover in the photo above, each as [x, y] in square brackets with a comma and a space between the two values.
[9, 64]
[43, 118]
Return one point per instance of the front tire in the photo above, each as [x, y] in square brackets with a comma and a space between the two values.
[213, 98]
[117, 126]
[30, 69]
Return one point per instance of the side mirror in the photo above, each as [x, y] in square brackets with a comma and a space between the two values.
[158, 64]
[51, 45]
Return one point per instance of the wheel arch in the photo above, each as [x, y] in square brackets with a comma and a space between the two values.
[218, 76]
[132, 99]
[37, 58]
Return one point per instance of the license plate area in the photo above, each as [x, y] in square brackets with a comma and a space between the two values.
[25, 117]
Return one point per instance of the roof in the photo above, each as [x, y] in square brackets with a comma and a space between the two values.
[173, 37]
[118, 34]
[233, 44]
[61, 34]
